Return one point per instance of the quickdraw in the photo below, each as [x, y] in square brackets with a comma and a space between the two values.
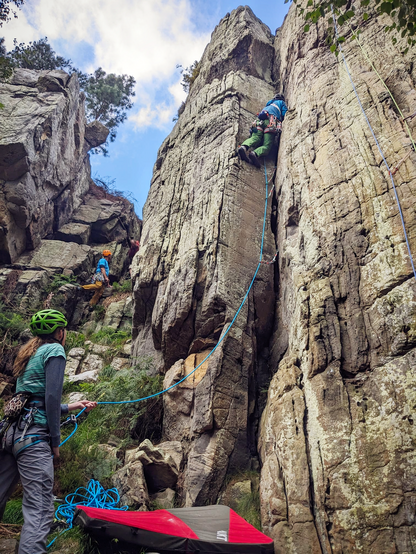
[272, 261]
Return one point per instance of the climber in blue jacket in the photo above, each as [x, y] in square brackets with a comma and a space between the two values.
[264, 129]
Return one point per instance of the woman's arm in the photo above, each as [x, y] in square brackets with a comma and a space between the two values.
[54, 373]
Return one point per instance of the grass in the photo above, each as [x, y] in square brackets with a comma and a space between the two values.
[110, 337]
[248, 507]
[13, 513]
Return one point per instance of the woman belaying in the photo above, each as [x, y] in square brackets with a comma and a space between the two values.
[263, 131]
[26, 446]
[100, 278]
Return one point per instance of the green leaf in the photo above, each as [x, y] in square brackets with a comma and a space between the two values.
[333, 48]
[349, 14]
[365, 2]
[406, 50]
[306, 28]
[365, 16]
[341, 39]
[310, 3]
[341, 20]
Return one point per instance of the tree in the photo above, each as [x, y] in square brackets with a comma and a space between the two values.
[6, 11]
[403, 13]
[107, 97]
[37, 55]
[189, 74]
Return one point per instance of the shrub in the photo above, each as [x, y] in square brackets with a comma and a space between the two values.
[110, 337]
[59, 280]
[13, 513]
[122, 287]
[74, 340]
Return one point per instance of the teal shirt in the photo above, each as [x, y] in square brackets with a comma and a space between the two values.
[33, 379]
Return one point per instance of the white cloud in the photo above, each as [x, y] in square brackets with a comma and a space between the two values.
[146, 39]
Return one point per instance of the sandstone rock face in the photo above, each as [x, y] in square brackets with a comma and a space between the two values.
[332, 323]
[336, 442]
[44, 169]
[194, 268]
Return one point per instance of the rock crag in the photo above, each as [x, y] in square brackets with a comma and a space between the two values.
[331, 326]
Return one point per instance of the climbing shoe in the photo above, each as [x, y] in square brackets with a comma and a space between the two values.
[242, 152]
[254, 159]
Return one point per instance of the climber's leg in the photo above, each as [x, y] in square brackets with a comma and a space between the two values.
[98, 294]
[266, 146]
[93, 286]
[255, 140]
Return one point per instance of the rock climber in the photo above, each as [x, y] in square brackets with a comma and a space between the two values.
[26, 446]
[263, 131]
[134, 248]
[100, 278]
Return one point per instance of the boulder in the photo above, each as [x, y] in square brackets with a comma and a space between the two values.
[84, 377]
[76, 397]
[72, 365]
[74, 232]
[119, 363]
[92, 362]
[56, 254]
[131, 485]
[96, 133]
[160, 469]
[164, 500]
[8, 546]
[77, 353]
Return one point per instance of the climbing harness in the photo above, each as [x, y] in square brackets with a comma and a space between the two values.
[12, 412]
[93, 496]
[378, 145]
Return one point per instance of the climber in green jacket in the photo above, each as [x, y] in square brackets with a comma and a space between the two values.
[263, 131]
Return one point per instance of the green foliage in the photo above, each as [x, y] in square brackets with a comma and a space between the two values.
[248, 507]
[403, 13]
[6, 11]
[13, 513]
[81, 459]
[99, 312]
[74, 340]
[6, 66]
[125, 286]
[37, 55]
[110, 337]
[189, 74]
[59, 280]
[108, 97]
[11, 323]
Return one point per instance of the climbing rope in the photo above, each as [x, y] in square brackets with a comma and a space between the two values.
[74, 418]
[93, 496]
[356, 35]
[377, 143]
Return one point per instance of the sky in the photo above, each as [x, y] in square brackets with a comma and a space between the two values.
[143, 38]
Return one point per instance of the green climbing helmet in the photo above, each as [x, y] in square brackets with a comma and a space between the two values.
[46, 322]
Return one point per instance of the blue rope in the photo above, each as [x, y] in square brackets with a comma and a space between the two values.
[378, 145]
[94, 496]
